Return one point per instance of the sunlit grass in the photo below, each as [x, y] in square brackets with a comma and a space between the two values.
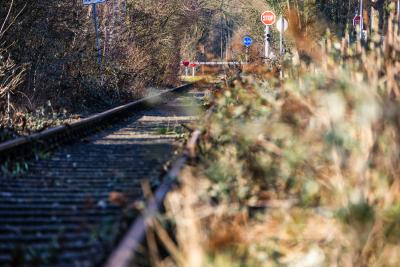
[301, 171]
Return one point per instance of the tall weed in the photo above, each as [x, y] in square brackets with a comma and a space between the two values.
[301, 171]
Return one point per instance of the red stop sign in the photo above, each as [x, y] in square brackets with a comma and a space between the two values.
[357, 20]
[268, 18]
[186, 63]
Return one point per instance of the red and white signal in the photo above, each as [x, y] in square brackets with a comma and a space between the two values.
[357, 20]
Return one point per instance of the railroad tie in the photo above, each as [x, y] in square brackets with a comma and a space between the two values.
[70, 209]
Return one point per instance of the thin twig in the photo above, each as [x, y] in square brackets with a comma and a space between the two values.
[7, 16]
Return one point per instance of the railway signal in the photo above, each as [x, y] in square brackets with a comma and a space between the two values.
[193, 66]
[94, 3]
[269, 37]
[268, 18]
[356, 20]
[186, 63]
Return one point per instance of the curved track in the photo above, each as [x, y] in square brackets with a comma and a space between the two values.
[71, 208]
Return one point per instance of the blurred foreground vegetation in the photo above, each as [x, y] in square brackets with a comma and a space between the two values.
[302, 171]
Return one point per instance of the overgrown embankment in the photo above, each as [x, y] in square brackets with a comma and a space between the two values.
[48, 57]
[301, 171]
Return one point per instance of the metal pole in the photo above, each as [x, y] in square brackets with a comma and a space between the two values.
[398, 9]
[193, 72]
[247, 54]
[96, 26]
[281, 36]
[222, 33]
[267, 48]
[361, 19]
[8, 107]
[186, 71]
[372, 21]
[226, 48]
[398, 16]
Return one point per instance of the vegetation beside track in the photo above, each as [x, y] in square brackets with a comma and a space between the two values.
[301, 171]
[48, 57]
[48, 61]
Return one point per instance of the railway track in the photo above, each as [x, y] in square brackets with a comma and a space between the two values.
[71, 208]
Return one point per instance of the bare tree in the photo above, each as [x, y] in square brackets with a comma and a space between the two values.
[11, 75]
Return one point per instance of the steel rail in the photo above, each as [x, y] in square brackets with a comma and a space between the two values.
[125, 253]
[25, 147]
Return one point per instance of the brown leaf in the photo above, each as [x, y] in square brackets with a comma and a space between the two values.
[118, 199]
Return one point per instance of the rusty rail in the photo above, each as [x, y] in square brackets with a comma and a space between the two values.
[25, 147]
[125, 252]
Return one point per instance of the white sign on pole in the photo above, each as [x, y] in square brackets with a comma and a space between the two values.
[90, 2]
[282, 25]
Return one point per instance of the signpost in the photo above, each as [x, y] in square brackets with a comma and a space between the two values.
[8, 108]
[281, 25]
[193, 66]
[268, 18]
[186, 63]
[96, 25]
[247, 41]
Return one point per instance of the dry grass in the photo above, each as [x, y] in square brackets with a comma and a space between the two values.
[55, 44]
[300, 172]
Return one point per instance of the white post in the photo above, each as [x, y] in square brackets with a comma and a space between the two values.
[96, 26]
[281, 36]
[227, 46]
[193, 72]
[186, 71]
[398, 9]
[8, 107]
[361, 19]
[267, 48]
[372, 19]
